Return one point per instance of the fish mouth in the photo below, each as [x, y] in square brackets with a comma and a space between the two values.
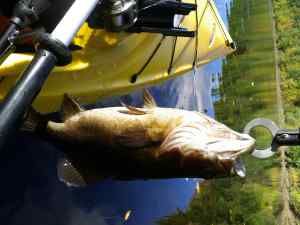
[232, 148]
[239, 167]
[230, 157]
[249, 147]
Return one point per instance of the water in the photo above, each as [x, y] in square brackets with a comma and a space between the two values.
[32, 194]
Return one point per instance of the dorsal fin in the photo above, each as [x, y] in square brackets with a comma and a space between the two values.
[70, 107]
[133, 110]
[149, 101]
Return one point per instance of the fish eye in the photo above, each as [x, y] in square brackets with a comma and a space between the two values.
[212, 142]
[243, 139]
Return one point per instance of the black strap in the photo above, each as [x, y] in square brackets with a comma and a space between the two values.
[61, 51]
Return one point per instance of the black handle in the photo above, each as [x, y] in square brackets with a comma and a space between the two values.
[287, 137]
[23, 93]
[4, 39]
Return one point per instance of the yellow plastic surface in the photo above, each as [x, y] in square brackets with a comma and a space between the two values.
[108, 60]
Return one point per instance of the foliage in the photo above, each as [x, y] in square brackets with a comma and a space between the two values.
[287, 14]
[238, 203]
[288, 31]
[247, 91]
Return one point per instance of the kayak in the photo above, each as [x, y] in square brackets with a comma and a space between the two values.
[110, 63]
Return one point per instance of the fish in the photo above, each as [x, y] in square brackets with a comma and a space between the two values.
[149, 142]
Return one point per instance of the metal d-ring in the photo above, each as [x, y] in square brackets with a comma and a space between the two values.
[271, 126]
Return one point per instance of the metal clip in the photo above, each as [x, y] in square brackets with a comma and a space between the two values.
[281, 137]
[272, 127]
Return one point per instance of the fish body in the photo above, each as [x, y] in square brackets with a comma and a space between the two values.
[118, 127]
[149, 142]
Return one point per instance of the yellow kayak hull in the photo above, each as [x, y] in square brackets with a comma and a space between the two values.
[107, 61]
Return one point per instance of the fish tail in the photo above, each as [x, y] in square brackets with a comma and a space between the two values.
[34, 121]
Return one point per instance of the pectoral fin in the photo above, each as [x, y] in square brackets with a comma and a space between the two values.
[70, 107]
[69, 175]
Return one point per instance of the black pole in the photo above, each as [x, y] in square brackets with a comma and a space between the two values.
[23, 93]
[29, 85]
[4, 40]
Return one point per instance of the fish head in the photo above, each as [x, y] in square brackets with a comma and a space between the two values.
[210, 150]
[230, 147]
[227, 152]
